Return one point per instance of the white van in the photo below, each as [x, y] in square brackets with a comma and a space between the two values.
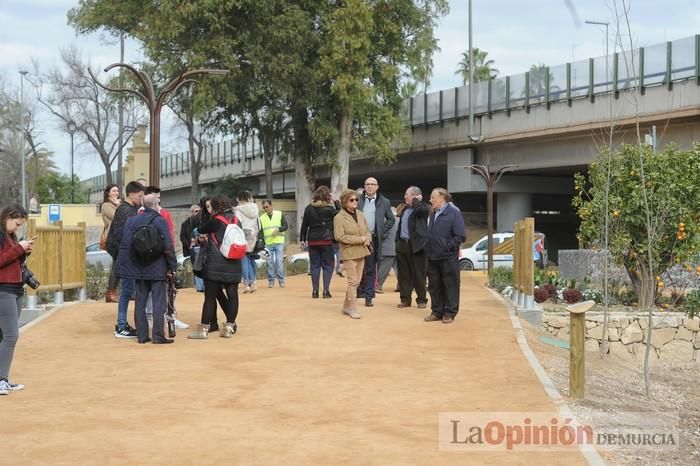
[476, 257]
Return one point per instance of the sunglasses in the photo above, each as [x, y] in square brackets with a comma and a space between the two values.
[354, 199]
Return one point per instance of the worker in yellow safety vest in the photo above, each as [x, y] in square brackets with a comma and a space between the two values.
[273, 225]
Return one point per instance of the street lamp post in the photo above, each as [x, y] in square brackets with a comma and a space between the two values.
[71, 127]
[22, 154]
[491, 178]
[607, 49]
[155, 104]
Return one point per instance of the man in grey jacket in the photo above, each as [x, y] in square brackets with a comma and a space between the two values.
[380, 219]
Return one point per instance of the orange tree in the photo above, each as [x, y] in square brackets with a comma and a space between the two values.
[669, 219]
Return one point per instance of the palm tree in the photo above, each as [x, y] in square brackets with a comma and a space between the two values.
[538, 74]
[483, 70]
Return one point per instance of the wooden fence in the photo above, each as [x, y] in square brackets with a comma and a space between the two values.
[523, 263]
[58, 258]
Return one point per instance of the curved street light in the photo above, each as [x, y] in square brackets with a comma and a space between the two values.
[491, 177]
[155, 103]
[71, 127]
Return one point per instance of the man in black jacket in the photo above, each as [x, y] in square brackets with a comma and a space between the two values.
[149, 275]
[380, 219]
[446, 233]
[411, 237]
[128, 208]
[187, 228]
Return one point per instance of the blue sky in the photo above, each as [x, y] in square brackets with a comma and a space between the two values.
[515, 33]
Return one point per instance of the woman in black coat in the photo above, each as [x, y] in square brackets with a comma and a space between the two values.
[317, 234]
[221, 275]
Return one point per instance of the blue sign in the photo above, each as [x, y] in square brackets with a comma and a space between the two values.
[54, 213]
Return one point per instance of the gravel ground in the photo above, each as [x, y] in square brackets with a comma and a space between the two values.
[615, 397]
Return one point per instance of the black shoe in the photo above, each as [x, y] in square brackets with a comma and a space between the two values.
[326, 294]
[401, 305]
[314, 294]
[213, 328]
[141, 342]
[164, 341]
[369, 303]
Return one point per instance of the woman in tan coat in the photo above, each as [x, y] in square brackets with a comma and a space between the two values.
[109, 206]
[353, 236]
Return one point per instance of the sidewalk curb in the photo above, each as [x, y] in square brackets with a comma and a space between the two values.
[589, 452]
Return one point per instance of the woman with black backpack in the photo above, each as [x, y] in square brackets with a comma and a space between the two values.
[317, 234]
[221, 275]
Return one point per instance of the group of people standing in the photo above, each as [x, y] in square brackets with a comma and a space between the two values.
[420, 240]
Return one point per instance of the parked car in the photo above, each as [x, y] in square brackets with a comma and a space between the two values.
[94, 255]
[300, 256]
[476, 256]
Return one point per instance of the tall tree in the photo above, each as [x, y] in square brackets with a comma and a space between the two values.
[483, 68]
[74, 97]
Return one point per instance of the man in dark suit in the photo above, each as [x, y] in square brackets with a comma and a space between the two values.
[411, 237]
[380, 219]
[446, 233]
[150, 276]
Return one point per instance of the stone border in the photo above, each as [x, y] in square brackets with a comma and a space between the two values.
[674, 335]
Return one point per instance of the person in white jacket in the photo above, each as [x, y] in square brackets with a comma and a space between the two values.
[247, 213]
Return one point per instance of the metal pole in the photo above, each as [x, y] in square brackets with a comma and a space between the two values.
[471, 75]
[120, 156]
[22, 144]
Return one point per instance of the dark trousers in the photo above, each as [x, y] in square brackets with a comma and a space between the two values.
[369, 274]
[157, 290]
[443, 283]
[227, 296]
[321, 258]
[411, 272]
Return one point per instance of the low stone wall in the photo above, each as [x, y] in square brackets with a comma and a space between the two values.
[674, 336]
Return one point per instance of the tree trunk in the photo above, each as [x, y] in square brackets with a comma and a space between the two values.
[341, 171]
[268, 154]
[644, 285]
[302, 189]
[195, 152]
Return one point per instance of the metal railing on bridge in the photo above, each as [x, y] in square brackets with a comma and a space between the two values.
[660, 64]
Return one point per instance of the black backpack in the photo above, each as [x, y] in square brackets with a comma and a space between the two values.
[147, 242]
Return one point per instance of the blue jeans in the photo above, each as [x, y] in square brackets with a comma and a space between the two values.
[127, 289]
[198, 283]
[248, 264]
[275, 263]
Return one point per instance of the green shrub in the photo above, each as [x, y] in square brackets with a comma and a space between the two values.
[692, 303]
[500, 278]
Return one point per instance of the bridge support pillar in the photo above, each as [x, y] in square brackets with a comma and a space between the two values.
[512, 207]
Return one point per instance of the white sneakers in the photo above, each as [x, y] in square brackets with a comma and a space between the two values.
[180, 325]
[6, 387]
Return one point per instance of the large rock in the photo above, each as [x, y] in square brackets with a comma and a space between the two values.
[684, 334]
[596, 332]
[659, 322]
[620, 350]
[661, 336]
[677, 350]
[696, 344]
[558, 322]
[592, 345]
[614, 334]
[563, 334]
[692, 324]
[590, 324]
[632, 334]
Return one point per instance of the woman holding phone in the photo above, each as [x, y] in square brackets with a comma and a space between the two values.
[12, 255]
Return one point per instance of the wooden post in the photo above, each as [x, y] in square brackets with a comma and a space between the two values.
[516, 263]
[577, 353]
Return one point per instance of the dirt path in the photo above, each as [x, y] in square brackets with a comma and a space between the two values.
[299, 384]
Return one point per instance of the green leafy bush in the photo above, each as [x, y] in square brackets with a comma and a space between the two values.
[500, 278]
[692, 304]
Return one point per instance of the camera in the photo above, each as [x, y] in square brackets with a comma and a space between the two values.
[28, 278]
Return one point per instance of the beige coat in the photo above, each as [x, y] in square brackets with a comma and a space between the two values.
[108, 210]
[347, 233]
